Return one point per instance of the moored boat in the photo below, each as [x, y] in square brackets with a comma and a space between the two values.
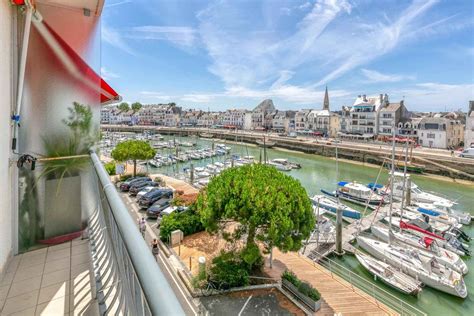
[331, 206]
[427, 270]
[389, 275]
[428, 246]
[357, 193]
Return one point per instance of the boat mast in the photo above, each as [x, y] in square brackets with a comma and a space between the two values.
[391, 184]
[404, 177]
[337, 173]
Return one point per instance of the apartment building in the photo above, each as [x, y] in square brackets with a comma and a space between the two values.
[390, 115]
[365, 114]
[234, 118]
[208, 119]
[283, 121]
[190, 117]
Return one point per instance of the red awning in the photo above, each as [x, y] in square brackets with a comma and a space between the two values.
[76, 66]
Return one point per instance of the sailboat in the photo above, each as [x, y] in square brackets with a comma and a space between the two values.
[410, 261]
[389, 275]
[448, 241]
[427, 246]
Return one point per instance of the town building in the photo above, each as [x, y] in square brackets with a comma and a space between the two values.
[105, 115]
[172, 116]
[283, 121]
[324, 122]
[439, 131]
[301, 120]
[190, 118]
[389, 116]
[208, 119]
[234, 118]
[259, 114]
[365, 115]
[469, 132]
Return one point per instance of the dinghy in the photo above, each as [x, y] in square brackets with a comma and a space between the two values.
[331, 206]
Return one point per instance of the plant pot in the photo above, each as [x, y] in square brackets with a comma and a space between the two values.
[312, 304]
[63, 206]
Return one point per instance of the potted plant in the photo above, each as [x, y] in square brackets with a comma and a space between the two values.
[66, 156]
[304, 291]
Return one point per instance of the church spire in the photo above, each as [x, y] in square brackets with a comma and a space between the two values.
[326, 100]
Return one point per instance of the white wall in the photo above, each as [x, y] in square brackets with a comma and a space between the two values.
[6, 214]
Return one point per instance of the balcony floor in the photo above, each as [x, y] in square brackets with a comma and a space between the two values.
[56, 280]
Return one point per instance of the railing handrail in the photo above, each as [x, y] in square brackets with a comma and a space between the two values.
[158, 293]
[384, 297]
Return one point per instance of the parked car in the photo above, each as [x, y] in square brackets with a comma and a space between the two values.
[125, 186]
[170, 209]
[151, 197]
[136, 187]
[155, 210]
[147, 189]
[467, 153]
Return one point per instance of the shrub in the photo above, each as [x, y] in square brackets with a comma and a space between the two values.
[188, 222]
[304, 287]
[110, 168]
[228, 271]
[124, 177]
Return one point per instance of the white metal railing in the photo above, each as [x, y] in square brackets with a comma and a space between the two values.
[129, 280]
[379, 295]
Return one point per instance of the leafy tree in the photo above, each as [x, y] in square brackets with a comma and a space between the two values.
[136, 106]
[188, 222]
[172, 104]
[133, 150]
[227, 271]
[124, 107]
[270, 207]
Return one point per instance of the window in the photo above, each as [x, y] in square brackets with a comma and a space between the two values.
[431, 126]
[431, 135]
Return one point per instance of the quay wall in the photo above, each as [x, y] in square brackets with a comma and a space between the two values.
[453, 167]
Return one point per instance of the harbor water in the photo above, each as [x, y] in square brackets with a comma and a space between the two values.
[319, 172]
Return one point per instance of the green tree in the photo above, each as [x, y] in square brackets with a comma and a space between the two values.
[124, 107]
[271, 207]
[136, 106]
[133, 150]
[172, 104]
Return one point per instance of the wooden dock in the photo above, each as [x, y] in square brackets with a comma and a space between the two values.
[349, 233]
[339, 295]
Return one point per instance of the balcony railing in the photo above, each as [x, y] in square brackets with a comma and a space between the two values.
[129, 280]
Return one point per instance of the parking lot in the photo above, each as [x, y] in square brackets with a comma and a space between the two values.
[257, 302]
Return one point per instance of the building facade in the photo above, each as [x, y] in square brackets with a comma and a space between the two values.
[469, 132]
[440, 132]
[365, 114]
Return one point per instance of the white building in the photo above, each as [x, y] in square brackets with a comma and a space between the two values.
[234, 118]
[440, 132]
[469, 132]
[283, 121]
[172, 116]
[301, 120]
[105, 115]
[365, 114]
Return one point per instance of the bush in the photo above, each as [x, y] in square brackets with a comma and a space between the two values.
[304, 287]
[124, 177]
[251, 257]
[188, 222]
[110, 168]
[228, 271]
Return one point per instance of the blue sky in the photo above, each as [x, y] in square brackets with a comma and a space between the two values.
[233, 54]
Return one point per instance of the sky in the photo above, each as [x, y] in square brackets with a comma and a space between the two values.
[234, 54]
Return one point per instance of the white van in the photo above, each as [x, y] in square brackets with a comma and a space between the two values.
[467, 153]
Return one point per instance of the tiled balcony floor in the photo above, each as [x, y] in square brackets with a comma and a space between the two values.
[51, 281]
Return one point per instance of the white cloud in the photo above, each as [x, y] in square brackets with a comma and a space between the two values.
[155, 95]
[114, 4]
[107, 74]
[180, 35]
[375, 76]
[331, 39]
[114, 38]
[433, 96]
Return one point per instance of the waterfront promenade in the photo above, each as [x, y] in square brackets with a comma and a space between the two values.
[436, 161]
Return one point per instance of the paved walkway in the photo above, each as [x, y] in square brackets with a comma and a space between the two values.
[55, 280]
[336, 292]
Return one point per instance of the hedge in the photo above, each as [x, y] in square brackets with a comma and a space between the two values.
[304, 287]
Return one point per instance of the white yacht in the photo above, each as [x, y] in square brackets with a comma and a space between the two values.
[410, 261]
[279, 166]
[426, 245]
[286, 163]
[447, 209]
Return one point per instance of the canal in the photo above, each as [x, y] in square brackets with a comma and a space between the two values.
[320, 173]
